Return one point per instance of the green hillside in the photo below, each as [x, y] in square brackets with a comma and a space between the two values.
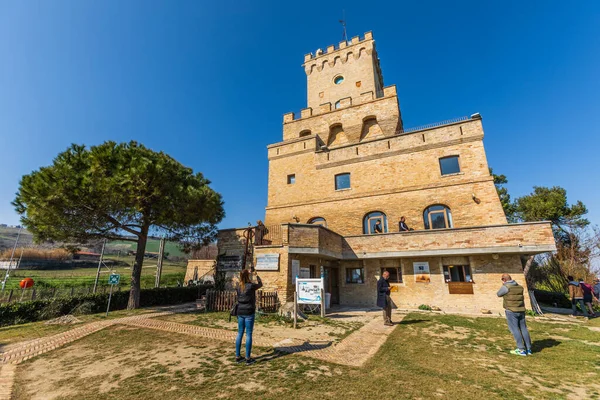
[9, 235]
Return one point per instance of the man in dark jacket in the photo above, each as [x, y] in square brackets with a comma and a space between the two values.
[514, 307]
[383, 298]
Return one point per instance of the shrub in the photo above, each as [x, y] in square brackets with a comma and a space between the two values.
[424, 307]
[37, 310]
[551, 298]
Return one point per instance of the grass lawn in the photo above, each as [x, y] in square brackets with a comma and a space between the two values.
[428, 356]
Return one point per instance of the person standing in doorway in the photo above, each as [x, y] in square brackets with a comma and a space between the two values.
[576, 296]
[245, 314]
[403, 226]
[383, 298]
[514, 308]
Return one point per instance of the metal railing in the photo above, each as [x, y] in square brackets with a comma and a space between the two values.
[433, 125]
[271, 235]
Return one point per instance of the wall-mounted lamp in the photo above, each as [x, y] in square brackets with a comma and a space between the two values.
[476, 199]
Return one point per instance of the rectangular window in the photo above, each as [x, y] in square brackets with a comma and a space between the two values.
[449, 165]
[291, 179]
[457, 273]
[342, 181]
[355, 275]
[395, 274]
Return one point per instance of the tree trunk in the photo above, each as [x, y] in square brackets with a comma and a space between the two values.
[136, 273]
[526, 268]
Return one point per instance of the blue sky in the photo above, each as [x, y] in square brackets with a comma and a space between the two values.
[207, 82]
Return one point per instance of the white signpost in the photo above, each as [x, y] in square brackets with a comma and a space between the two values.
[309, 291]
[113, 279]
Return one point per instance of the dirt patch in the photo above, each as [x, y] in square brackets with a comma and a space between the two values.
[46, 377]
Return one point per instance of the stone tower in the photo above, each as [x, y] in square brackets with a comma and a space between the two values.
[343, 74]
[346, 97]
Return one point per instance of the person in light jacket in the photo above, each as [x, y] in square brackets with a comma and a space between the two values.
[245, 314]
[383, 298]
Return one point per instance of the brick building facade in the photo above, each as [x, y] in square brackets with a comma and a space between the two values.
[347, 162]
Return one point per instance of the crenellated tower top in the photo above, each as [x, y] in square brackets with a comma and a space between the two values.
[343, 72]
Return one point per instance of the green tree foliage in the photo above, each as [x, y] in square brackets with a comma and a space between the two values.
[550, 204]
[119, 191]
[568, 224]
[507, 205]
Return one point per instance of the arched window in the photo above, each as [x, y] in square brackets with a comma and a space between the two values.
[305, 132]
[437, 217]
[318, 221]
[370, 225]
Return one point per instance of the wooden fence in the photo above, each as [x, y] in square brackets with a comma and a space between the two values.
[224, 300]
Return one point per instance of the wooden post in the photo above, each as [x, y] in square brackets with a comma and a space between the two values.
[72, 291]
[10, 295]
[295, 309]
[33, 294]
[323, 303]
[161, 251]
[99, 266]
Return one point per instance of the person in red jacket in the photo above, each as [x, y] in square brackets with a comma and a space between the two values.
[588, 296]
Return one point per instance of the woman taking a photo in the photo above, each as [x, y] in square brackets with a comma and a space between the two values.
[245, 314]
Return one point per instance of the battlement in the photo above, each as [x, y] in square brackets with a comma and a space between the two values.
[366, 97]
[342, 45]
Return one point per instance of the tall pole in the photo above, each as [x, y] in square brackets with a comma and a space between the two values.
[161, 252]
[99, 266]
[11, 258]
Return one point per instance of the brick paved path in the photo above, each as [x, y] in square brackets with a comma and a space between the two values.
[7, 376]
[354, 350]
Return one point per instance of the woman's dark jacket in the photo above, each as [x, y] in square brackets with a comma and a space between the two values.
[383, 290]
[247, 298]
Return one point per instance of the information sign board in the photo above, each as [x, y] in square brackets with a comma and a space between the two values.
[309, 290]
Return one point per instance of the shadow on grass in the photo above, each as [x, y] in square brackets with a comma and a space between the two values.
[411, 321]
[306, 346]
[539, 345]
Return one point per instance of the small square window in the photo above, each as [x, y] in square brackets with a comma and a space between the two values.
[395, 274]
[342, 181]
[355, 275]
[291, 179]
[449, 165]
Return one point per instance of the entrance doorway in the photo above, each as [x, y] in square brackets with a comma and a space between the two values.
[332, 283]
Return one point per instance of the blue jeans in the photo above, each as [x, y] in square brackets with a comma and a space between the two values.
[581, 304]
[245, 322]
[517, 326]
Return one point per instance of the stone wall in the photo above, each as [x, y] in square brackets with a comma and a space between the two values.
[279, 280]
[516, 238]
[400, 181]
[486, 273]
[202, 267]
[351, 116]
